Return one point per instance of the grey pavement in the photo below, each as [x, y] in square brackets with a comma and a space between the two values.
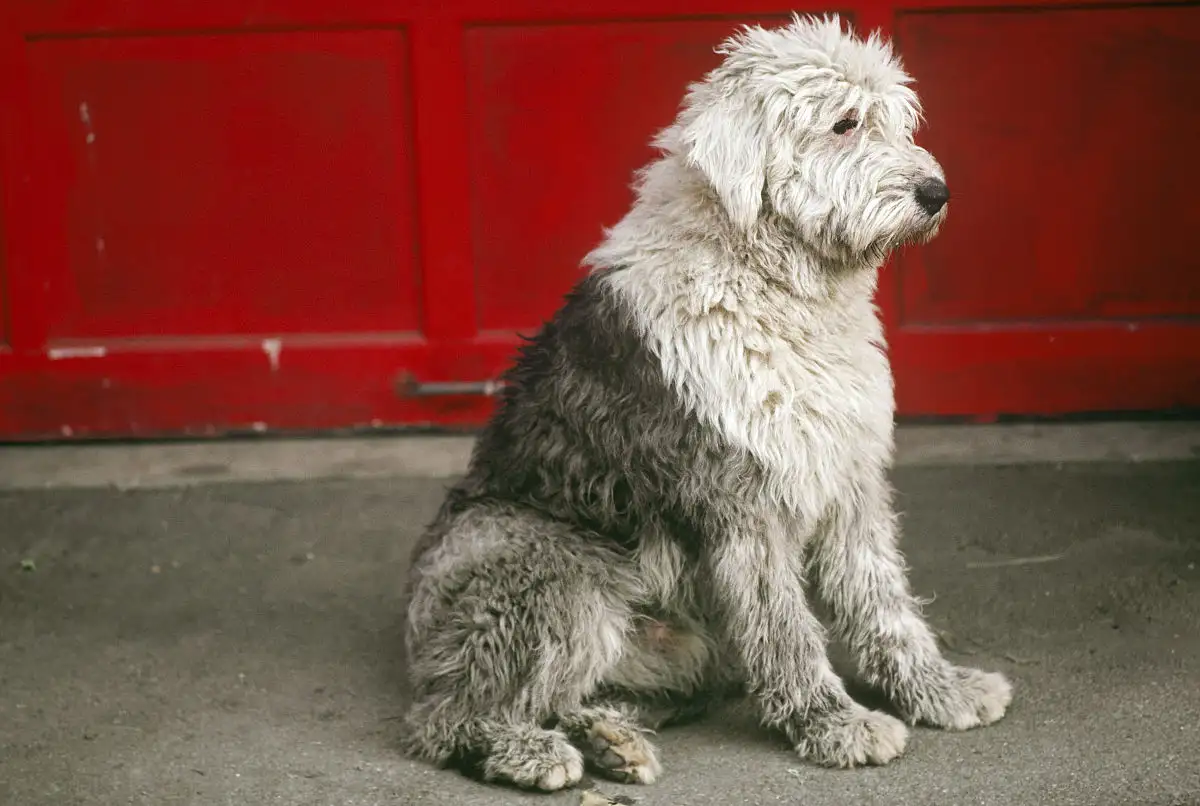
[238, 643]
[157, 465]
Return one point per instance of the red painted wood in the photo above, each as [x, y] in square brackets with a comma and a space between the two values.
[303, 203]
[1085, 171]
[1061, 283]
[444, 181]
[205, 390]
[5, 335]
[29, 237]
[1047, 370]
[205, 193]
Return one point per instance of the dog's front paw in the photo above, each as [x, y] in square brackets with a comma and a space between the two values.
[851, 738]
[960, 699]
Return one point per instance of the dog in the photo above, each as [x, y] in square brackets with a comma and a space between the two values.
[694, 444]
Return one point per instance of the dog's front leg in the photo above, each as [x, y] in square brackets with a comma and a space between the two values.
[758, 589]
[861, 578]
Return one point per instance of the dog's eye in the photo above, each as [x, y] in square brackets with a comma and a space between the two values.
[845, 125]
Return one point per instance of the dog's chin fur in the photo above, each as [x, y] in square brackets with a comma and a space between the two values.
[927, 233]
[703, 426]
[880, 249]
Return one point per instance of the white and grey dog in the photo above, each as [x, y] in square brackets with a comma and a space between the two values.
[697, 442]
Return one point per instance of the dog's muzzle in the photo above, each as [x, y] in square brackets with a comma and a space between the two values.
[932, 194]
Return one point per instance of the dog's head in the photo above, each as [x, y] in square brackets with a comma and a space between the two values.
[815, 125]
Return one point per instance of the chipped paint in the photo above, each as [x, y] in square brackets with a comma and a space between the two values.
[259, 427]
[61, 353]
[85, 117]
[273, 348]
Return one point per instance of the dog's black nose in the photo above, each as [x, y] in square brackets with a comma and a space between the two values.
[932, 194]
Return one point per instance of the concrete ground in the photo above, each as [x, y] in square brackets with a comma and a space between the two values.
[236, 641]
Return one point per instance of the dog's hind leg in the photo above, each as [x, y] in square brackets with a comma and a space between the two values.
[513, 621]
[671, 670]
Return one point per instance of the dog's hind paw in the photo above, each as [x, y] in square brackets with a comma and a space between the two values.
[622, 753]
[613, 744]
[852, 738]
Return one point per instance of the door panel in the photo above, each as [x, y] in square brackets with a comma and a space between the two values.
[1070, 193]
[1060, 283]
[206, 193]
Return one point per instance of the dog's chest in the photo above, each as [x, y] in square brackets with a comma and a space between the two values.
[800, 386]
[815, 411]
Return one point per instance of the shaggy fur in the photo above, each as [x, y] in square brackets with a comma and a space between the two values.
[694, 445]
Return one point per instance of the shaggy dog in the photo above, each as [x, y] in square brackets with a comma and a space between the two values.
[697, 442]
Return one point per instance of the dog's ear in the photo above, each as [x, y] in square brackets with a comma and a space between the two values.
[721, 134]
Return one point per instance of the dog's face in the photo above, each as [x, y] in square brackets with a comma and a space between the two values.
[817, 126]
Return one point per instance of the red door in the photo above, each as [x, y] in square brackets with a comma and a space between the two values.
[303, 215]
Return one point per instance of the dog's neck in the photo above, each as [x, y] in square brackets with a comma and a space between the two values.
[676, 224]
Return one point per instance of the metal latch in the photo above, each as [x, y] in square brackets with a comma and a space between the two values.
[408, 386]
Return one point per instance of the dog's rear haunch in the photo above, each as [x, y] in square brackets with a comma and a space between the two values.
[697, 442]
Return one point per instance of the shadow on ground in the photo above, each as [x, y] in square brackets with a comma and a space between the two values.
[239, 645]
